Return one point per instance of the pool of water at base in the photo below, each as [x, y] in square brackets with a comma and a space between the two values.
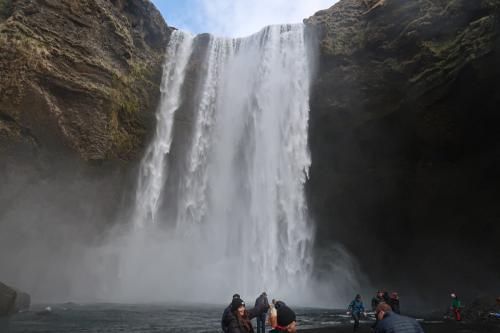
[72, 318]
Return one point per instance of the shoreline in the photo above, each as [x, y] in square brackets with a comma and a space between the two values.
[444, 327]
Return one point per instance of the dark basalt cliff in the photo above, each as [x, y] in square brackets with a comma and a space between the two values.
[405, 140]
[80, 74]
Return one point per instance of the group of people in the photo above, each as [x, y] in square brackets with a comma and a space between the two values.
[237, 318]
[387, 314]
[383, 296]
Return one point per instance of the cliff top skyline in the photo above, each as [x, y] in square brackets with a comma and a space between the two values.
[236, 18]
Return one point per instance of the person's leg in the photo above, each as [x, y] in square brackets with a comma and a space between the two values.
[355, 316]
[260, 324]
[263, 323]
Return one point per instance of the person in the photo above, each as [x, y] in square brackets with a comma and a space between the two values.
[495, 313]
[390, 322]
[386, 297]
[456, 307]
[273, 314]
[377, 299]
[394, 302]
[239, 318]
[356, 309]
[261, 320]
[227, 311]
[278, 303]
[286, 320]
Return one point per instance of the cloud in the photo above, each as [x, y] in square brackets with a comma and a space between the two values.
[238, 18]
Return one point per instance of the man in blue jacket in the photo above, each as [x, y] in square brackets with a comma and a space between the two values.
[390, 322]
[356, 309]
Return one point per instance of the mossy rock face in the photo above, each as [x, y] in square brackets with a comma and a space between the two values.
[83, 74]
[5, 9]
[405, 135]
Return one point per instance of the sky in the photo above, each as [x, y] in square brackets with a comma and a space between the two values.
[236, 18]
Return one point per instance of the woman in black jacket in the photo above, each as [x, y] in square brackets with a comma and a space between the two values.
[239, 320]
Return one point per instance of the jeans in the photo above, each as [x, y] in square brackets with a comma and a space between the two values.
[261, 323]
[355, 316]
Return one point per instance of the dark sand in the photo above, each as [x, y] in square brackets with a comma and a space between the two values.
[446, 327]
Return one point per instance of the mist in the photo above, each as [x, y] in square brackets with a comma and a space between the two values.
[215, 206]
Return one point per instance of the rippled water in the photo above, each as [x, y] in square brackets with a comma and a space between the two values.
[66, 318]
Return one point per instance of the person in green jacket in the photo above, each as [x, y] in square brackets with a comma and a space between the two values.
[456, 307]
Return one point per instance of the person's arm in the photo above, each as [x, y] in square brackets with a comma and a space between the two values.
[222, 321]
[233, 325]
[257, 311]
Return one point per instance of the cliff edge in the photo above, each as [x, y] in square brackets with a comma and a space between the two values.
[80, 74]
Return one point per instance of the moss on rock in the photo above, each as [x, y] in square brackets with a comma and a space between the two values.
[93, 69]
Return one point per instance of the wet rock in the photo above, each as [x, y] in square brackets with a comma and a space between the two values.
[12, 300]
[481, 309]
[45, 312]
[7, 300]
[404, 140]
[23, 301]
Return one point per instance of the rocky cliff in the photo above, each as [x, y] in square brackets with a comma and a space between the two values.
[80, 74]
[405, 140]
[79, 84]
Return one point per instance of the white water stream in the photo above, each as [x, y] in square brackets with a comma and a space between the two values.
[236, 217]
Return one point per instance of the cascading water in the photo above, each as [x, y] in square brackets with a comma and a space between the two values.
[236, 217]
[154, 169]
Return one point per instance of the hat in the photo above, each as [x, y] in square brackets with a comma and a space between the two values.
[453, 295]
[236, 296]
[285, 316]
[236, 303]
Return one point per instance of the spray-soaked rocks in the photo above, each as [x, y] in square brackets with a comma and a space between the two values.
[482, 309]
[12, 300]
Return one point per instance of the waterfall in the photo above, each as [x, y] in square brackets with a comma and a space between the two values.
[154, 168]
[222, 182]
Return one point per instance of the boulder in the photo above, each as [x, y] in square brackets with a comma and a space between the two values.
[7, 300]
[12, 300]
[23, 302]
